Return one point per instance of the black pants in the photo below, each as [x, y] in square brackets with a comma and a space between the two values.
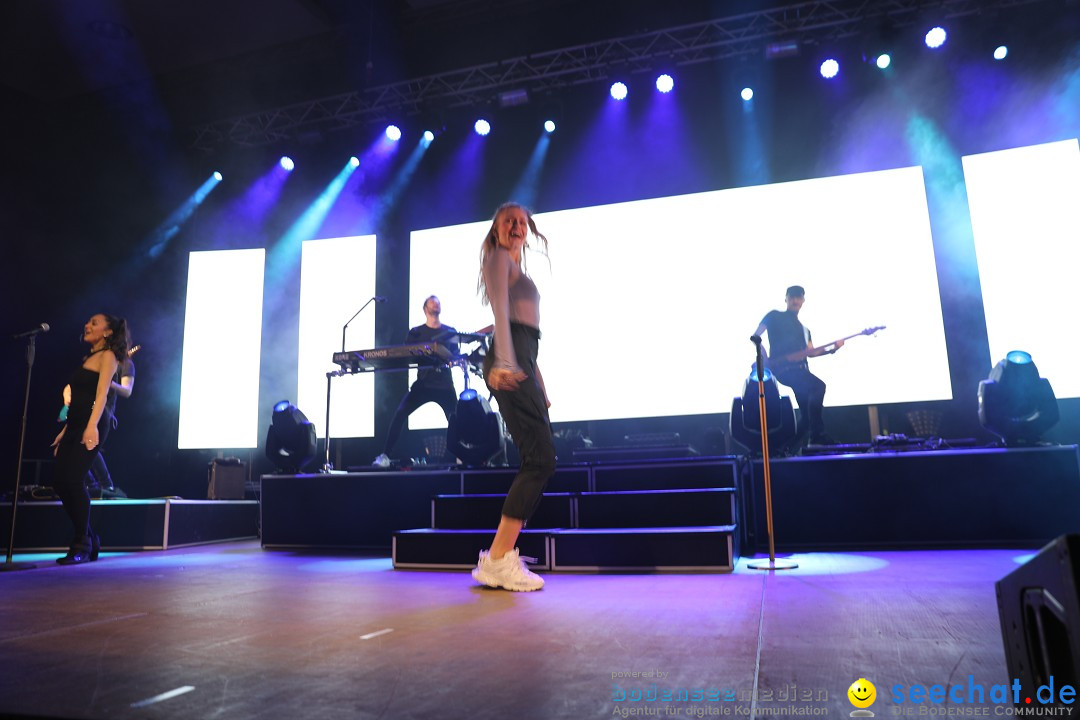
[99, 476]
[810, 392]
[525, 413]
[419, 395]
[73, 461]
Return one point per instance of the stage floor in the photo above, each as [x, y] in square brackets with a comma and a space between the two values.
[234, 631]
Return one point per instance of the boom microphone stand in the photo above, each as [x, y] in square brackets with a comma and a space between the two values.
[328, 467]
[773, 563]
[8, 564]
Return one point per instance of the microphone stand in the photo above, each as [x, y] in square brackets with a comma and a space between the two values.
[328, 467]
[773, 563]
[346, 325]
[8, 564]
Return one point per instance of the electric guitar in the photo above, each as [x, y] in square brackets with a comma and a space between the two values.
[793, 359]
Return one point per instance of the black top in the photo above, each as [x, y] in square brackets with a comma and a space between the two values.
[126, 368]
[83, 384]
[786, 334]
[436, 377]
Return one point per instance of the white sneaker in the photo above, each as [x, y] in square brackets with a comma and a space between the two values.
[508, 572]
[382, 461]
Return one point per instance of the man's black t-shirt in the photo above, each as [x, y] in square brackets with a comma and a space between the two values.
[437, 377]
[126, 368]
[786, 334]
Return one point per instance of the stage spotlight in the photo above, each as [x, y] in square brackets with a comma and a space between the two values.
[290, 439]
[829, 69]
[286, 163]
[665, 83]
[549, 126]
[217, 176]
[354, 162]
[883, 60]
[619, 90]
[745, 418]
[428, 136]
[393, 133]
[1015, 403]
[936, 37]
[482, 127]
[747, 94]
[476, 434]
[1000, 52]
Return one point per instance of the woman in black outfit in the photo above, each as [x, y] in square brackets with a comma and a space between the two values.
[87, 425]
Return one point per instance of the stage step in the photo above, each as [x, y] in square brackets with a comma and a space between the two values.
[458, 549]
[641, 508]
[656, 508]
[497, 480]
[712, 472]
[458, 512]
[677, 549]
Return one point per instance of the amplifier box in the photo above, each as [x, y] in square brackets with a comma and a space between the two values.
[227, 476]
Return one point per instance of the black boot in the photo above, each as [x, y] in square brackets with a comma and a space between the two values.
[80, 552]
[95, 545]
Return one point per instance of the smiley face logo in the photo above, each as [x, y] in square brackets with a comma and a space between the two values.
[862, 693]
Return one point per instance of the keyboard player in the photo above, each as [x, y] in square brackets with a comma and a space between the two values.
[434, 384]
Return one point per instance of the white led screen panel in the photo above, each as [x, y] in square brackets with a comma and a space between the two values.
[219, 378]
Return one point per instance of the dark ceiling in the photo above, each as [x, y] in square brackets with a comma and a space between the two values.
[205, 58]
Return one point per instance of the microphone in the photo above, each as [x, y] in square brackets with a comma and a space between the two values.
[379, 298]
[42, 328]
[756, 339]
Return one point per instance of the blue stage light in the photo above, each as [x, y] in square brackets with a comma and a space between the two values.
[747, 94]
[393, 132]
[286, 163]
[829, 69]
[217, 176]
[1000, 52]
[883, 60]
[665, 83]
[549, 126]
[354, 162]
[619, 91]
[1018, 357]
[428, 136]
[482, 127]
[936, 37]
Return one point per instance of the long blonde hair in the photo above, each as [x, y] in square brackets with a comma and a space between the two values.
[491, 241]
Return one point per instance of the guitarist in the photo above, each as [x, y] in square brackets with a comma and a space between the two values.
[789, 346]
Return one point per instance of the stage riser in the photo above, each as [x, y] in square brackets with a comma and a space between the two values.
[715, 473]
[471, 512]
[459, 549]
[565, 480]
[651, 508]
[650, 550]
[360, 510]
[661, 508]
[655, 549]
[961, 498]
[134, 524]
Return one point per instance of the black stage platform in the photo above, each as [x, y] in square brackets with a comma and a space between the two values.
[988, 497]
[127, 524]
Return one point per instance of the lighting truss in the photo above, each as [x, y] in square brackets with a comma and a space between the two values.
[711, 40]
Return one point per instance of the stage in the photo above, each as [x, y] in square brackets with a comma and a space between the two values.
[236, 631]
[301, 625]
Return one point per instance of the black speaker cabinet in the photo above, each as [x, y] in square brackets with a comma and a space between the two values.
[1040, 622]
[227, 477]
